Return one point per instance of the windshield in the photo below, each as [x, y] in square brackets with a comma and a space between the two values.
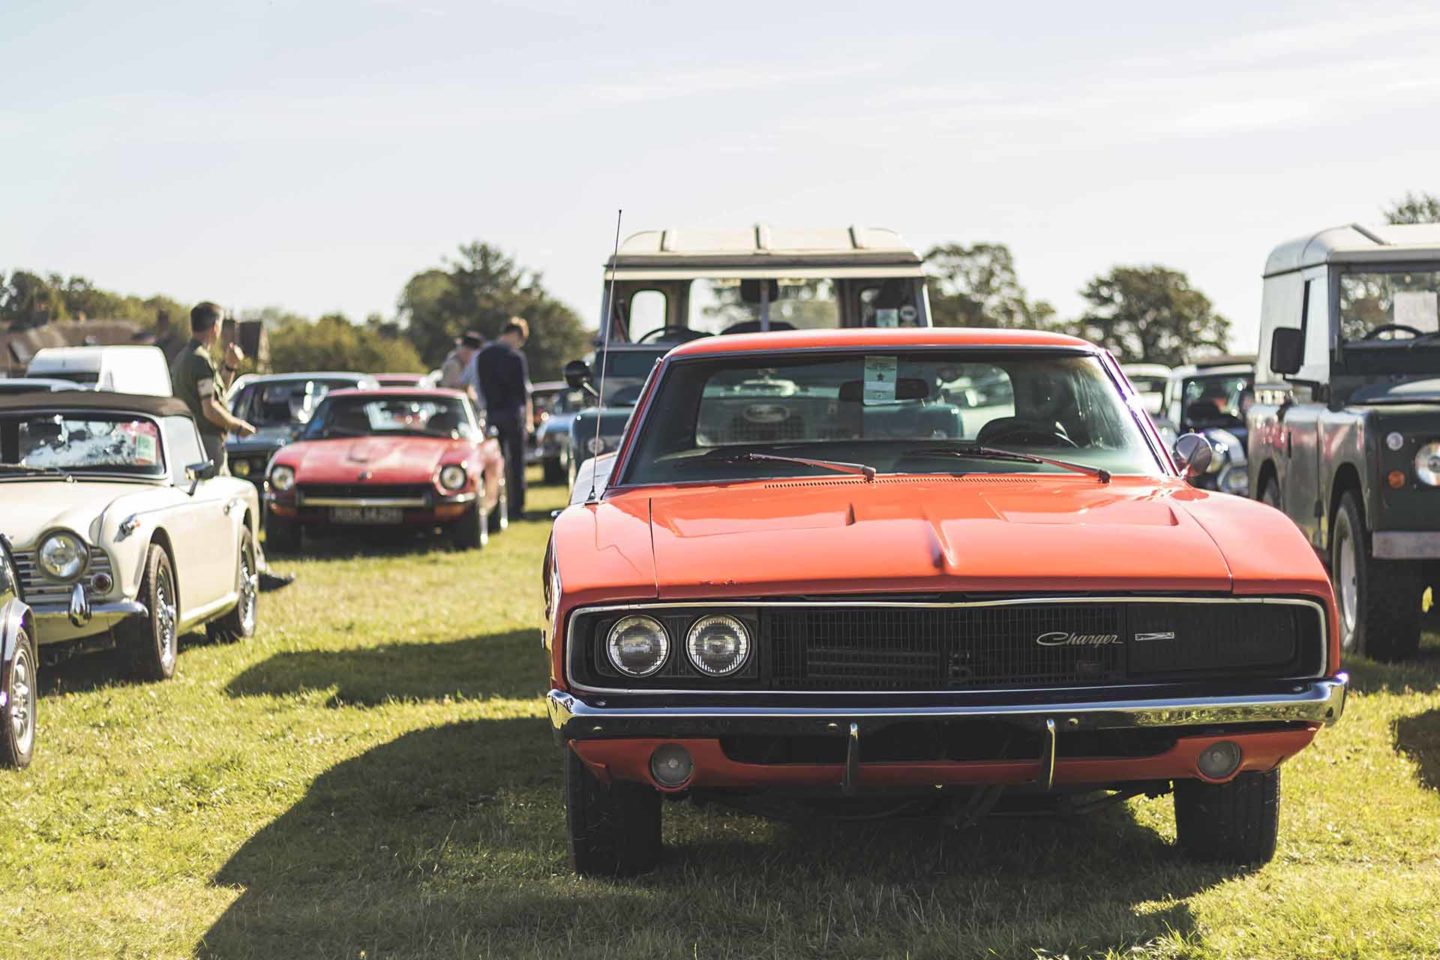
[1374, 303]
[280, 402]
[82, 441]
[896, 411]
[362, 416]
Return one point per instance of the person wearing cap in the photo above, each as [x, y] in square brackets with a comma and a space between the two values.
[458, 370]
[505, 387]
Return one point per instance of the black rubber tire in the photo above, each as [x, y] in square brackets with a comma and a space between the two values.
[1269, 493]
[282, 535]
[1235, 822]
[1387, 622]
[20, 689]
[472, 530]
[144, 641]
[554, 470]
[499, 518]
[239, 623]
[614, 829]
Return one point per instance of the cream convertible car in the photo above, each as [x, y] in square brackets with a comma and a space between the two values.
[121, 531]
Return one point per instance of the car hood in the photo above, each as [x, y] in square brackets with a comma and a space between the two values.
[927, 534]
[28, 508]
[264, 438]
[378, 459]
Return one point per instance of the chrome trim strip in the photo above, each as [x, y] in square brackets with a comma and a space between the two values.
[1397, 545]
[1318, 701]
[703, 606]
[363, 502]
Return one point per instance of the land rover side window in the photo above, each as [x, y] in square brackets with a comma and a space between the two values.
[735, 306]
[1374, 303]
[899, 412]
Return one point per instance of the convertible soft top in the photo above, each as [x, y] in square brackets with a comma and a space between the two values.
[105, 400]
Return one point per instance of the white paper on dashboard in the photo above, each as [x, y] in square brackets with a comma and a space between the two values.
[1419, 309]
[880, 379]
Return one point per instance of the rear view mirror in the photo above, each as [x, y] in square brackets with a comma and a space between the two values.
[1287, 350]
[579, 377]
[1192, 455]
[750, 290]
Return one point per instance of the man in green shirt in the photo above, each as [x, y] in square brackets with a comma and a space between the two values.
[201, 385]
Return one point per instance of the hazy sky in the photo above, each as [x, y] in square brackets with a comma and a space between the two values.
[316, 154]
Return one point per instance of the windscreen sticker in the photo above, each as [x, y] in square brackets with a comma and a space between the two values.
[145, 449]
[887, 317]
[908, 315]
[1418, 309]
[880, 379]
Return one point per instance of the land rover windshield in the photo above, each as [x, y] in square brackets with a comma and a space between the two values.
[1400, 306]
[737, 417]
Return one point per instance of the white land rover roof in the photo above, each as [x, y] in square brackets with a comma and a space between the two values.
[762, 251]
[1357, 244]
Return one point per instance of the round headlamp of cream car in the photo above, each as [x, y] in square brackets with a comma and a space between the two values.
[62, 555]
[452, 476]
[282, 478]
[1427, 463]
[596, 445]
[638, 646]
[718, 645]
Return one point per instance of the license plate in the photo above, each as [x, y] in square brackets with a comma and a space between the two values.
[367, 514]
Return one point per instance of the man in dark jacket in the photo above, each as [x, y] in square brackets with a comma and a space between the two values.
[505, 388]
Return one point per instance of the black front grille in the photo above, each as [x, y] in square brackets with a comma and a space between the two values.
[352, 491]
[987, 645]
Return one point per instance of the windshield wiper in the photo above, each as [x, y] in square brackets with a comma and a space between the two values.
[977, 452]
[839, 466]
[28, 470]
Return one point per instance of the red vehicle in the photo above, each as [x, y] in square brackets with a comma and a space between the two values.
[389, 457]
[939, 570]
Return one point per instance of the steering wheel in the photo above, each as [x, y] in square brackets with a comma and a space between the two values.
[681, 333]
[1391, 328]
[1027, 432]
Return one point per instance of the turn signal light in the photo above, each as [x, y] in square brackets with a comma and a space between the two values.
[671, 765]
[1396, 479]
[1219, 760]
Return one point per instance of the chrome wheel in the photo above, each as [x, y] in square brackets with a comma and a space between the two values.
[249, 590]
[1347, 584]
[22, 700]
[165, 632]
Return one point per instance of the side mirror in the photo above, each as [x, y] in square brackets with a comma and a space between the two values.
[579, 377]
[204, 470]
[1287, 350]
[492, 431]
[1192, 455]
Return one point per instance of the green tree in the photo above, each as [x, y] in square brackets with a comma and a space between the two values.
[1414, 208]
[1151, 315]
[976, 286]
[29, 299]
[334, 343]
[480, 290]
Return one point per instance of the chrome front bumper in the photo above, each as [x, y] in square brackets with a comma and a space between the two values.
[80, 618]
[1312, 701]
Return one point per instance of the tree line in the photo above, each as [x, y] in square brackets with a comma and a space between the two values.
[1144, 313]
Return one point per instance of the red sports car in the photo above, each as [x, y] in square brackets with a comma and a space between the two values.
[388, 457]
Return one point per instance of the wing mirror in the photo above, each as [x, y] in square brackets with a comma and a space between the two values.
[1287, 350]
[1192, 455]
[579, 377]
[492, 431]
[204, 470]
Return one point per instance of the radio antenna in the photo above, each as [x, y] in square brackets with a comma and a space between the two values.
[606, 323]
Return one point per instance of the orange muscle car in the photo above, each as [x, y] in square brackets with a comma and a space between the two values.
[863, 571]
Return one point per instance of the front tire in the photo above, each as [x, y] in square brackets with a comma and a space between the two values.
[472, 530]
[17, 717]
[1379, 600]
[614, 828]
[153, 644]
[239, 624]
[1236, 822]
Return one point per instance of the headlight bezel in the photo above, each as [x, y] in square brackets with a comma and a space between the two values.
[451, 470]
[692, 640]
[611, 642]
[82, 557]
[1427, 463]
[282, 470]
[595, 446]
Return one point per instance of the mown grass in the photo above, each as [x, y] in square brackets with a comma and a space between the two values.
[373, 776]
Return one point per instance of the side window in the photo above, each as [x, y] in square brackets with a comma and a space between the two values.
[182, 446]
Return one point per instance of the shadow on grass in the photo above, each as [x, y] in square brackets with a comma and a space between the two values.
[497, 665]
[450, 842]
[1418, 737]
[83, 672]
[1420, 674]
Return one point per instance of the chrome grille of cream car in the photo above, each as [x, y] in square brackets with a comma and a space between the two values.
[40, 590]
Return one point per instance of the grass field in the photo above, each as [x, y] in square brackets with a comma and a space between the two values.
[373, 776]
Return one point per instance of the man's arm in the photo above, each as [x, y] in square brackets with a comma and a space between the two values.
[216, 413]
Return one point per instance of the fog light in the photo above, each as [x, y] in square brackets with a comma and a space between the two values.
[1395, 441]
[1396, 479]
[671, 765]
[1219, 760]
[102, 583]
[241, 468]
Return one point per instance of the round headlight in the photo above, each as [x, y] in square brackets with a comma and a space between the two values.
[282, 478]
[62, 555]
[241, 468]
[1427, 463]
[638, 646]
[1395, 440]
[595, 445]
[452, 477]
[718, 645]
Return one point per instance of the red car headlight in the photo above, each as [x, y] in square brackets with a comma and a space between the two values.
[452, 477]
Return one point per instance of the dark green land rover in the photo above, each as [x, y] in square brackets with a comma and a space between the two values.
[1345, 428]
